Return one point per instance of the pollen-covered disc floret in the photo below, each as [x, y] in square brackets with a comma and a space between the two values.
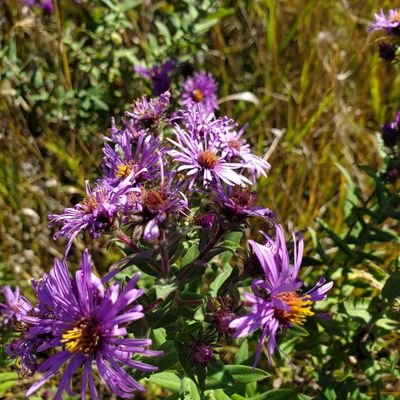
[277, 301]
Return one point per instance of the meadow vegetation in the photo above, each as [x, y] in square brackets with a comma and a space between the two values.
[306, 77]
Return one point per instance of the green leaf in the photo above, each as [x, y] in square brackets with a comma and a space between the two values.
[164, 289]
[231, 375]
[391, 289]
[388, 324]
[189, 390]
[219, 280]
[168, 380]
[358, 308]
[218, 394]
[190, 255]
[7, 381]
[274, 394]
[243, 353]
[169, 358]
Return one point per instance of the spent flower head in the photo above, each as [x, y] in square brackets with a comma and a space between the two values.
[158, 74]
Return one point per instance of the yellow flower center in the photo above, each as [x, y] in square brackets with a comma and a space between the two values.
[123, 170]
[83, 337]
[300, 308]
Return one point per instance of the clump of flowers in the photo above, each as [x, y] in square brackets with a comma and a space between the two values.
[177, 194]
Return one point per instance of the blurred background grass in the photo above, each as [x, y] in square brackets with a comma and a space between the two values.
[322, 90]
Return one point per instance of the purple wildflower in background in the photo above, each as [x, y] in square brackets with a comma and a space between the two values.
[391, 132]
[46, 5]
[139, 164]
[89, 324]
[9, 310]
[96, 211]
[200, 88]
[390, 23]
[159, 76]
[206, 221]
[277, 302]
[387, 51]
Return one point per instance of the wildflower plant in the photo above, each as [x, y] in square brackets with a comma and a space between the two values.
[177, 195]
[209, 296]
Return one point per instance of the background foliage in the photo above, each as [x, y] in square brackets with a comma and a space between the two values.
[319, 94]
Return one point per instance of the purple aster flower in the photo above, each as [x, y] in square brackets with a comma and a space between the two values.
[130, 130]
[238, 201]
[235, 147]
[9, 310]
[159, 76]
[96, 211]
[277, 302]
[390, 23]
[202, 159]
[88, 326]
[27, 348]
[139, 164]
[148, 113]
[200, 88]
[199, 122]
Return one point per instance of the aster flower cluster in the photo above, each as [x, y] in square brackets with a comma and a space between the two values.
[177, 183]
